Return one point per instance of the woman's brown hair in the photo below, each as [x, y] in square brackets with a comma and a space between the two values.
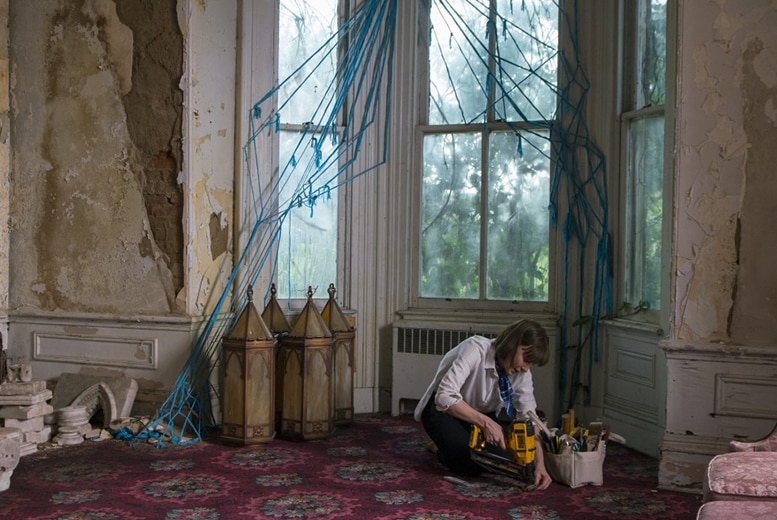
[527, 334]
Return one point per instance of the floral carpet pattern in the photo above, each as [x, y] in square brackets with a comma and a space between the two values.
[375, 468]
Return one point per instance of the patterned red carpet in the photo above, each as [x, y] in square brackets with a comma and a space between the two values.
[376, 468]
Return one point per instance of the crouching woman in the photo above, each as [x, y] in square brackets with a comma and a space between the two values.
[475, 381]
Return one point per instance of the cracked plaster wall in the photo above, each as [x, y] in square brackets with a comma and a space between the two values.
[726, 287]
[96, 142]
[210, 30]
[4, 160]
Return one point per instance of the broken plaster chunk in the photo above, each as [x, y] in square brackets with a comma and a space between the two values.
[25, 400]
[132, 424]
[68, 438]
[9, 455]
[26, 448]
[97, 434]
[38, 437]
[26, 412]
[70, 385]
[96, 397]
[26, 425]
[23, 388]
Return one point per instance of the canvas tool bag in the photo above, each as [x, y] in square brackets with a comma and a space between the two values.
[576, 468]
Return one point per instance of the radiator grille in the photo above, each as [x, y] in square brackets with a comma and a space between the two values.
[434, 342]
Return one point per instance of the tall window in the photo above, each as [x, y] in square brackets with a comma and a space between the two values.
[492, 74]
[643, 125]
[308, 243]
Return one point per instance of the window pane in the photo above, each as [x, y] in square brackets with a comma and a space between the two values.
[644, 184]
[307, 63]
[450, 232]
[457, 62]
[651, 52]
[527, 33]
[305, 27]
[518, 196]
[307, 253]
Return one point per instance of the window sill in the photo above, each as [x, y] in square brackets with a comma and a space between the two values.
[633, 325]
[470, 318]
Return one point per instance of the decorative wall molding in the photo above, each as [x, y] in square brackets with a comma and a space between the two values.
[635, 367]
[694, 444]
[150, 349]
[731, 392]
[127, 352]
[635, 385]
[718, 393]
[639, 411]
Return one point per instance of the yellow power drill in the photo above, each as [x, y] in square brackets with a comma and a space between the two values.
[521, 448]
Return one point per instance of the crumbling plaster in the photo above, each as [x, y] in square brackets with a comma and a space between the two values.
[113, 210]
[80, 235]
[5, 159]
[725, 289]
[210, 60]
[153, 101]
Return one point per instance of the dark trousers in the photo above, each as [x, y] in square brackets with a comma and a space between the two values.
[451, 435]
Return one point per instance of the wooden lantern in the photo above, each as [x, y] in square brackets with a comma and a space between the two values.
[279, 326]
[306, 358]
[343, 361]
[248, 380]
[273, 315]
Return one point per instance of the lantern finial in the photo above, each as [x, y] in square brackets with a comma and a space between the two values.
[250, 293]
[273, 314]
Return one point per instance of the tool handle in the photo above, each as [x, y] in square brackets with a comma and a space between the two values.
[533, 416]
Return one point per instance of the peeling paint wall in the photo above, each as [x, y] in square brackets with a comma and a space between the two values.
[210, 61]
[5, 154]
[87, 138]
[726, 288]
[753, 318]
[153, 102]
[722, 356]
[121, 182]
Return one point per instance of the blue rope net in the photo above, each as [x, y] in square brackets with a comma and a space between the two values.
[325, 158]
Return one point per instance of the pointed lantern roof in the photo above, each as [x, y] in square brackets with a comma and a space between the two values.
[273, 314]
[332, 314]
[310, 324]
[250, 326]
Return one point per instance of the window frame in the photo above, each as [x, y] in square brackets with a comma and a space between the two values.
[259, 41]
[628, 113]
[491, 126]
[296, 301]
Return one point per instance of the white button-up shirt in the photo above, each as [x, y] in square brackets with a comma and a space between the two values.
[468, 372]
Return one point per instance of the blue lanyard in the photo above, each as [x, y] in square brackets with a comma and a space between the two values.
[505, 390]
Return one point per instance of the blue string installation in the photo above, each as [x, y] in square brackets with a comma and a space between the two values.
[325, 158]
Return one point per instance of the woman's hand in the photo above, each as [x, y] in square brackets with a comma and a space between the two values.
[541, 478]
[493, 433]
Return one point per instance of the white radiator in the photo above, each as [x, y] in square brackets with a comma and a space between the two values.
[418, 348]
